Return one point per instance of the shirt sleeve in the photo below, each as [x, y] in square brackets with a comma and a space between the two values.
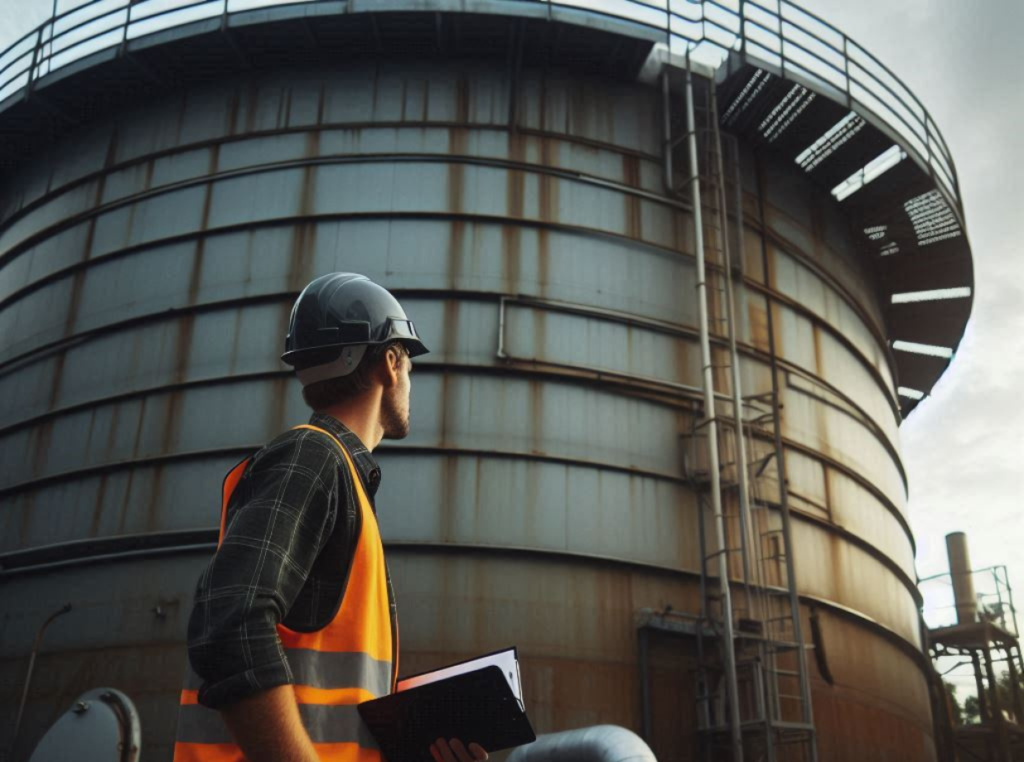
[270, 544]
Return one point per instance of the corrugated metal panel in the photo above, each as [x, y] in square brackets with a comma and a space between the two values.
[540, 499]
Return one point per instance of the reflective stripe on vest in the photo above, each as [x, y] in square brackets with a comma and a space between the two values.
[335, 668]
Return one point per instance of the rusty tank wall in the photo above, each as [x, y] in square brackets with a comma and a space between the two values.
[149, 265]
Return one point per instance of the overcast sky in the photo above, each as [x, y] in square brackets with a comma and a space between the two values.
[963, 445]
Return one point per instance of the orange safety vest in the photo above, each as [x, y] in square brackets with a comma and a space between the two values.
[336, 668]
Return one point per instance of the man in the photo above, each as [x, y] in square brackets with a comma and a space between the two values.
[294, 622]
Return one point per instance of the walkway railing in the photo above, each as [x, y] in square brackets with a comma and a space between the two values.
[777, 32]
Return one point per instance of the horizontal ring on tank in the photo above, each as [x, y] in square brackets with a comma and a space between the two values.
[782, 299]
[157, 544]
[626, 382]
[629, 380]
[504, 455]
[538, 169]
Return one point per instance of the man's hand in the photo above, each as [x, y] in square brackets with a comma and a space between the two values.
[442, 752]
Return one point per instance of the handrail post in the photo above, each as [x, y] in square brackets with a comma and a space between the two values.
[846, 71]
[35, 58]
[743, 31]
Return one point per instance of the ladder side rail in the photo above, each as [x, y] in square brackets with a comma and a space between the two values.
[780, 464]
[734, 358]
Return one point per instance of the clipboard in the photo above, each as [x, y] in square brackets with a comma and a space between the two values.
[478, 706]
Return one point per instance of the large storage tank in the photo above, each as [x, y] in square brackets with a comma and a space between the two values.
[500, 167]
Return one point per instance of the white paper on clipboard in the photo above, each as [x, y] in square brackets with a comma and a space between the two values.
[506, 660]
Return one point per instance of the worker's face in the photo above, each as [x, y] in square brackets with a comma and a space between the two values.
[394, 407]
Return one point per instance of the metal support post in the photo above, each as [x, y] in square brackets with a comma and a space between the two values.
[1002, 738]
[728, 646]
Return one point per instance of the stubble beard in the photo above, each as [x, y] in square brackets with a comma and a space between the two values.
[393, 419]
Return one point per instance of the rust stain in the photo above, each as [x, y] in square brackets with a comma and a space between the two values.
[458, 138]
[75, 301]
[549, 211]
[451, 327]
[456, 242]
[279, 398]
[757, 316]
[196, 272]
[511, 232]
[304, 232]
[320, 106]
[445, 388]
[183, 346]
[780, 346]
[303, 247]
[681, 358]
[172, 422]
[540, 320]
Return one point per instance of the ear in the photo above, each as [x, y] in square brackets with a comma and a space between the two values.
[391, 367]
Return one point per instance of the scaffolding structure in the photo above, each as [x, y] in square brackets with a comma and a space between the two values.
[985, 637]
[753, 690]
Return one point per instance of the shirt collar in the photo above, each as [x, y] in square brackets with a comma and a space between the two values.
[366, 464]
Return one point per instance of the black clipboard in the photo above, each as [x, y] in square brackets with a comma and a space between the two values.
[475, 707]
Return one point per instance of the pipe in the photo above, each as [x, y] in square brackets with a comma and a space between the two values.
[963, 582]
[711, 421]
[31, 666]
[598, 743]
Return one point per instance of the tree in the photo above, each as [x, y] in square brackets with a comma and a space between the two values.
[972, 707]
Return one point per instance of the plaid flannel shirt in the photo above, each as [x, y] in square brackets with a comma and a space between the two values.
[292, 525]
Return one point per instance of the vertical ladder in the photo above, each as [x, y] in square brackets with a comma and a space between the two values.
[778, 714]
[710, 425]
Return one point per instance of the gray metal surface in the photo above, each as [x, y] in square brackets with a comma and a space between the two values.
[101, 726]
[148, 266]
